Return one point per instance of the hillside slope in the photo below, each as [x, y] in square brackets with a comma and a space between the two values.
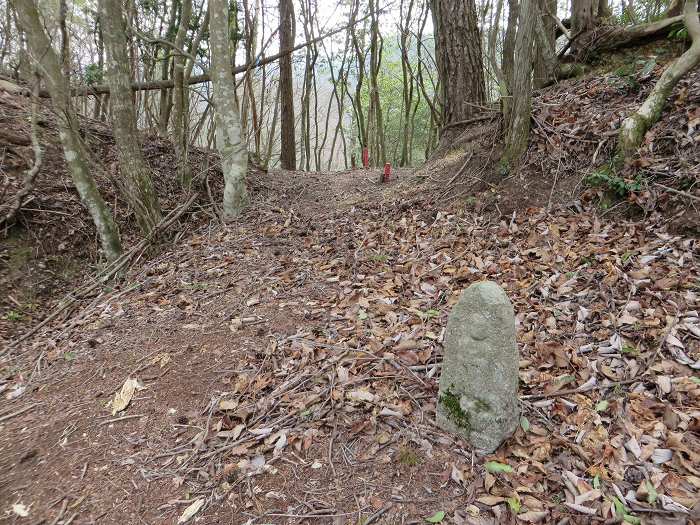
[573, 139]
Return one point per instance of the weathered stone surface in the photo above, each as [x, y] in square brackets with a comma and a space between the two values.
[478, 396]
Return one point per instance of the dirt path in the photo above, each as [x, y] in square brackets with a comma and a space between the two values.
[287, 368]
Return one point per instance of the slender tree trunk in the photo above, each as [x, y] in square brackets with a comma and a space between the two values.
[65, 42]
[407, 79]
[49, 65]
[375, 120]
[509, 47]
[138, 188]
[234, 158]
[99, 42]
[181, 100]
[459, 60]
[288, 158]
[166, 95]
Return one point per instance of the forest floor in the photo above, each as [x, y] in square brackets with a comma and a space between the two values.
[283, 369]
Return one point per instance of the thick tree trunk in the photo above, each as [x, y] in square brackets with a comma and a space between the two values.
[509, 47]
[517, 118]
[583, 17]
[234, 157]
[638, 123]
[76, 159]
[459, 60]
[288, 155]
[545, 56]
[138, 188]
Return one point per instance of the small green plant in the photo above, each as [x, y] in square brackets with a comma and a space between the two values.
[503, 168]
[429, 314]
[14, 316]
[608, 179]
[679, 34]
[379, 257]
[629, 350]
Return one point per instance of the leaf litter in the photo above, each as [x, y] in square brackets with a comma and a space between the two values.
[332, 367]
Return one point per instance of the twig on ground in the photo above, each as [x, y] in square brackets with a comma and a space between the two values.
[123, 418]
[19, 412]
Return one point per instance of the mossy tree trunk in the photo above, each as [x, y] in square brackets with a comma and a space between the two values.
[638, 123]
[49, 65]
[137, 186]
[234, 157]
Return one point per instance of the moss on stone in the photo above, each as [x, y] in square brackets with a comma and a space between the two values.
[454, 411]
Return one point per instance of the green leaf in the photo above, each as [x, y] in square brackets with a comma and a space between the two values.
[695, 380]
[494, 467]
[361, 315]
[628, 518]
[652, 495]
[514, 504]
[436, 518]
[524, 423]
[619, 507]
[596, 482]
[602, 406]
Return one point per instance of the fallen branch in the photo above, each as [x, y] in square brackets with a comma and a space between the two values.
[100, 89]
[677, 192]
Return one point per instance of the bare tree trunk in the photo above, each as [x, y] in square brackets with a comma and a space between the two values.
[181, 100]
[517, 119]
[638, 123]
[407, 78]
[545, 57]
[234, 158]
[583, 17]
[49, 65]
[65, 42]
[99, 42]
[138, 190]
[360, 54]
[288, 156]
[459, 60]
[508, 60]
[166, 95]
[375, 122]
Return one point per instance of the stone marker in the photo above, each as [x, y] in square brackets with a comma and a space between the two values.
[478, 396]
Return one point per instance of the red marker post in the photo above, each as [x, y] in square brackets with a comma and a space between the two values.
[387, 172]
[365, 158]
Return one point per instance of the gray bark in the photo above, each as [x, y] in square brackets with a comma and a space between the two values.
[138, 186]
[49, 65]
[517, 117]
[234, 158]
